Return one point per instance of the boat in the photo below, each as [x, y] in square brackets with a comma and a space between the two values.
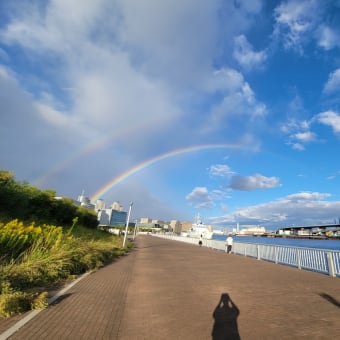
[200, 230]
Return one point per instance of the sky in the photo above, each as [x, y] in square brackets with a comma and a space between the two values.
[229, 109]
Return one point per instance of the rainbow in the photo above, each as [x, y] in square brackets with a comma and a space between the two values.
[59, 167]
[108, 186]
[83, 151]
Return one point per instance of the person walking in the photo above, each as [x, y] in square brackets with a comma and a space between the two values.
[229, 244]
[200, 241]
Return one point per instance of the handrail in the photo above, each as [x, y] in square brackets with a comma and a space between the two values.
[324, 261]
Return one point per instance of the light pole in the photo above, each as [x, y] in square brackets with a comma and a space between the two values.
[127, 224]
[134, 232]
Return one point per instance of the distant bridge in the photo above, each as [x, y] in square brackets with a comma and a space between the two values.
[315, 230]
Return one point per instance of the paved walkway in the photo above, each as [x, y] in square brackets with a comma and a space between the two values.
[166, 289]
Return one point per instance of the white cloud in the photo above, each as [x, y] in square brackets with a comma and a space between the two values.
[114, 55]
[297, 146]
[305, 137]
[220, 170]
[327, 37]
[295, 20]
[151, 29]
[299, 133]
[27, 143]
[250, 183]
[226, 80]
[331, 119]
[3, 55]
[198, 194]
[237, 99]
[217, 195]
[83, 53]
[245, 55]
[308, 196]
[300, 209]
[202, 198]
[115, 58]
[293, 124]
[58, 26]
[333, 83]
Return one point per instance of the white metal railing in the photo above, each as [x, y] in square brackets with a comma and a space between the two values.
[319, 260]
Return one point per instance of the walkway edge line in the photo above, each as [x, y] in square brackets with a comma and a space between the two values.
[10, 331]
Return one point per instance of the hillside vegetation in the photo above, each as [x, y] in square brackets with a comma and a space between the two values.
[45, 241]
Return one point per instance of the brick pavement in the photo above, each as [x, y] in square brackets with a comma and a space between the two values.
[166, 289]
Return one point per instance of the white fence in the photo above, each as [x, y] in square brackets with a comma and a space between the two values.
[319, 260]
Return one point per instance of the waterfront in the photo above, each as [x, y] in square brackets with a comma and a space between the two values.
[155, 292]
[278, 241]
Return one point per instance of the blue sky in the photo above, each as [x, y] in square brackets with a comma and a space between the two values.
[91, 89]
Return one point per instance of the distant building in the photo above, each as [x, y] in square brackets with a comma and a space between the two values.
[160, 222]
[111, 217]
[84, 201]
[100, 205]
[186, 225]
[148, 223]
[175, 227]
[116, 206]
[145, 220]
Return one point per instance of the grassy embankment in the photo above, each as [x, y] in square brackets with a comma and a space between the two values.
[35, 257]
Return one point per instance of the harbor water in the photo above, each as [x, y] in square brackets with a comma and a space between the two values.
[279, 241]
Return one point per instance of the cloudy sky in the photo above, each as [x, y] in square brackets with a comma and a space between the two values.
[226, 108]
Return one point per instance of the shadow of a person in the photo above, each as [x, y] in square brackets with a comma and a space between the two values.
[225, 315]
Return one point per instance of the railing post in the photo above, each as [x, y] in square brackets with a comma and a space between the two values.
[298, 257]
[258, 252]
[276, 255]
[331, 267]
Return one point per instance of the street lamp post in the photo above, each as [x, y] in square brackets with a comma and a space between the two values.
[127, 224]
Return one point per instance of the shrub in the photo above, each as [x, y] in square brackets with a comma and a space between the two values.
[14, 302]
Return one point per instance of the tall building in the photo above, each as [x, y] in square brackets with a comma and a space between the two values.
[100, 205]
[176, 226]
[116, 206]
[111, 217]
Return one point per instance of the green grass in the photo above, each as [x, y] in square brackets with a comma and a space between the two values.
[55, 256]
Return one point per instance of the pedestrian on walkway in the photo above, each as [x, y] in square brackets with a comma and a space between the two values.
[200, 241]
[229, 244]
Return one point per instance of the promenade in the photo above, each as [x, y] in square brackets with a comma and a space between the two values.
[165, 289]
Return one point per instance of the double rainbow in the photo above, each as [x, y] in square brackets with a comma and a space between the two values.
[114, 181]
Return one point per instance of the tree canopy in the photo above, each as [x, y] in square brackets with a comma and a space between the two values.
[22, 201]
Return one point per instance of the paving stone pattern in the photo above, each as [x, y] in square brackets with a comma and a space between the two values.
[165, 289]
